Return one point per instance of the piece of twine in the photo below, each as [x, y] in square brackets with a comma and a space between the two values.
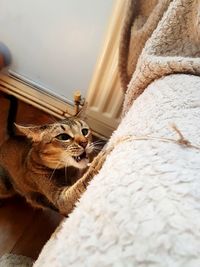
[182, 141]
[98, 162]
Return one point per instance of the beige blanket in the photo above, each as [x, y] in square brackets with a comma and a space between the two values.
[159, 37]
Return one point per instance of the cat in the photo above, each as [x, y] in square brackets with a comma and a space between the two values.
[37, 164]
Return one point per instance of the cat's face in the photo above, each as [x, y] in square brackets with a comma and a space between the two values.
[61, 144]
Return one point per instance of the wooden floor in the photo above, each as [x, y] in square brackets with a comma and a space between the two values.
[24, 230]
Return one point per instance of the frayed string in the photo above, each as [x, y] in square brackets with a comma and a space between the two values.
[182, 141]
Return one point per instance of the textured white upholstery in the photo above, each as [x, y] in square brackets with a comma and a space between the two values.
[143, 208]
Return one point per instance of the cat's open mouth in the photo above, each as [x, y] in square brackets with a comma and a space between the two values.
[80, 157]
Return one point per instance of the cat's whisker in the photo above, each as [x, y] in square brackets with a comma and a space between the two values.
[66, 170]
[95, 147]
[54, 171]
[91, 146]
[99, 142]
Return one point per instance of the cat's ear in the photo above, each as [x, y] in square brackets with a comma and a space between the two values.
[32, 132]
[82, 113]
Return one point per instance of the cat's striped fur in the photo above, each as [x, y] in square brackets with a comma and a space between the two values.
[46, 164]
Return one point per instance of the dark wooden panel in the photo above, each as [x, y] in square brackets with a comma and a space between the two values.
[37, 233]
[15, 216]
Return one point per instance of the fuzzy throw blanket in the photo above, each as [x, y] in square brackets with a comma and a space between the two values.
[159, 37]
[143, 208]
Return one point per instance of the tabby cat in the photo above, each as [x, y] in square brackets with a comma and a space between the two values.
[46, 164]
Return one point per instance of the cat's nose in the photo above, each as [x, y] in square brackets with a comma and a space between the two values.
[81, 140]
[83, 144]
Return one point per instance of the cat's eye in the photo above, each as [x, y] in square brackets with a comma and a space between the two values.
[84, 131]
[63, 137]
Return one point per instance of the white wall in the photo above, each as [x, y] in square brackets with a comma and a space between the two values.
[55, 43]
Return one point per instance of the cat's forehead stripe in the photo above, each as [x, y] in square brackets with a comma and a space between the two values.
[69, 122]
[70, 126]
[62, 127]
[80, 122]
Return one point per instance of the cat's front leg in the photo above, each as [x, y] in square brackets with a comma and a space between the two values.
[66, 199]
